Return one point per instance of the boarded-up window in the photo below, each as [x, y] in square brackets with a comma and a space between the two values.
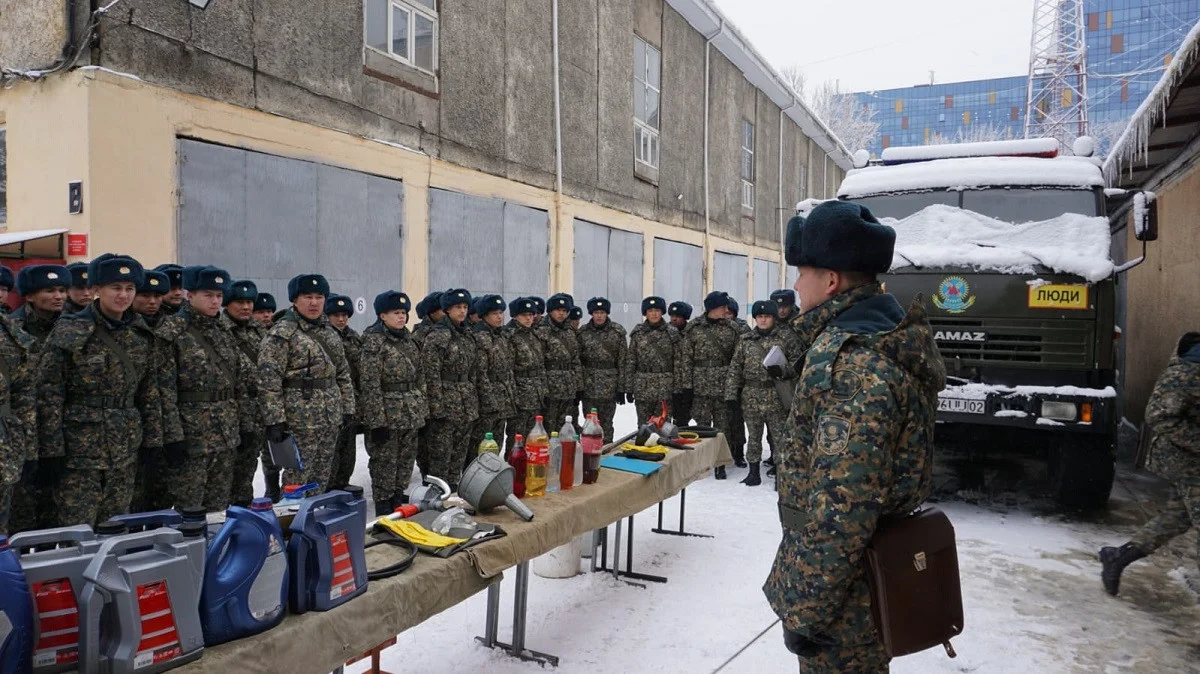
[1118, 43]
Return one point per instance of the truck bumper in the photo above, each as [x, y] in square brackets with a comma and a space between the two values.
[1070, 410]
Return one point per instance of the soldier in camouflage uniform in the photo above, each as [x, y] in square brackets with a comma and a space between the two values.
[148, 301]
[44, 288]
[564, 370]
[575, 317]
[80, 293]
[653, 365]
[238, 321]
[148, 304]
[498, 391]
[392, 404]
[1173, 413]
[429, 310]
[339, 309]
[679, 313]
[785, 302]
[751, 382]
[174, 297]
[18, 420]
[708, 344]
[737, 422]
[602, 346]
[98, 398]
[205, 390]
[304, 384]
[529, 367]
[7, 281]
[264, 310]
[453, 378]
[859, 445]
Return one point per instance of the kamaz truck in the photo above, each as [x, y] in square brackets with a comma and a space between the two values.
[1009, 244]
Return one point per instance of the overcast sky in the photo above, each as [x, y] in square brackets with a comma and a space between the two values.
[883, 44]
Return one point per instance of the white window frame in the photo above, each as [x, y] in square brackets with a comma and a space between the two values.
[413, 9]
[646, 143]
[747, 153]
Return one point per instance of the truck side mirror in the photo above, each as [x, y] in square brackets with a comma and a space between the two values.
[1145, 216]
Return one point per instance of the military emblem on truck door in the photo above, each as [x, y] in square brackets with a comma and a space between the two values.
[954, 295]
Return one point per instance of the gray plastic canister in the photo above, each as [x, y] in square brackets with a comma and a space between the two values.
[55, 577]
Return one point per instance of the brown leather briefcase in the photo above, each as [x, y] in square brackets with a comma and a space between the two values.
[912, 567]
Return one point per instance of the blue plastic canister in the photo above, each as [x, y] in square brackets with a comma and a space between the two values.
[16, 614]
[325, 552]
[150, 520]
[245, 575]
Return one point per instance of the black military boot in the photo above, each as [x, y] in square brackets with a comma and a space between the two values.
[753, 479]
[739, 456]
[383, 507]
[720, 473]
[771, 471]
[1113, 561]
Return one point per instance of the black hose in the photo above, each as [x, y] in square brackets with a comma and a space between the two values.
[701, 431]
[397, 568]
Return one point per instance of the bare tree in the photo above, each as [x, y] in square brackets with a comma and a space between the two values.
[794, 78]
[851, 121]
[1105, 134]
[977, 133]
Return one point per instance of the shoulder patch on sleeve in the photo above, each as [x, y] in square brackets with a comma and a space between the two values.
[820, 360]
[845, 384]
[833, 435]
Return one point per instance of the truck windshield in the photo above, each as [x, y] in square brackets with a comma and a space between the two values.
[1013, 204]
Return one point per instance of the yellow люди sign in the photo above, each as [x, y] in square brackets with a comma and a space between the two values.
[1050, 296]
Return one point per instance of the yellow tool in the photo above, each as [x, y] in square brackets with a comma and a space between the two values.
[417, 534]
[657, 449]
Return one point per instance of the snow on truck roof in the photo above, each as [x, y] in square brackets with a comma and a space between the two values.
[971, 173]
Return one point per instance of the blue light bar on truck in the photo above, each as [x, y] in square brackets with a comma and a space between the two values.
[1045, 148]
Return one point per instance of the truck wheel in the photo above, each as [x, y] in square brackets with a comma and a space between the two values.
[1084, 470]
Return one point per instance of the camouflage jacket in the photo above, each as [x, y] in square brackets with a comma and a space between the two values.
[564, 371]
[18, 430]
[451, 361]
[498, 384]
[70, 308]
[36, 326]
[155, 320]
[420, 330]
[248, 337]
[707, 349]
[1173, 412]
[206, 382]
[352, 345]
[393, 381]
[749, 378]
[97, 404]
[859, 447]
[529, 366]
[653, 364]
[303, 377]
[742, 327]
[602, 351]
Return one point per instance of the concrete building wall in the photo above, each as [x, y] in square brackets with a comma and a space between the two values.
[1162, 302]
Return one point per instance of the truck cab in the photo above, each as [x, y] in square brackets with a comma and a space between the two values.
[1008, 243]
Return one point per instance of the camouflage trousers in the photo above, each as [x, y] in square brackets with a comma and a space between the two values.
[6, 491]
[555, 413]
[93, 495]
[712, 411]
[448, 441]
[736, 434]
[32, 507]
[1180, 513]
[245, 464]
[756, 422]
[391, 464]
[607, 409]
[487, 423]
[864, 659]
[316, 455]
[344, 456]
[521, 424]
[424, 461]
[271, 474]
[652, 408]
[202, 479]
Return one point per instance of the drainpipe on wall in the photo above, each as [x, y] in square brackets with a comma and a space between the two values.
[555, 281]
[825, 177]
[707, 101]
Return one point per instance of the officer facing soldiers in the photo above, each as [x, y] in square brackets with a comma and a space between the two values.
[860, 440]
[80, 293]
[148, 301]
[304, 384]
[238, 321]
[529, 367]
[174, 297]
[393, 404]
[264, 309]
[7, 281]
[1173, 413]
[18, 420]
[653, 362]
[451, 362]
[751, 382]
[708, 344]
[98, 398]
[602, 346]
[339, 309]
[564, 371]
[498, 386]
[44, 288]
[205, 390]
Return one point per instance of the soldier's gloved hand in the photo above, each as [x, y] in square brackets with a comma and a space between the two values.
[29, 471]
[347, 420]
[176, 451]
[50, 470]
[619, 398]
[277, 432]
[775, 371]
[380, 436]
[800, 645]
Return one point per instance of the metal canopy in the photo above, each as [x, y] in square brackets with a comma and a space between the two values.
[1173, 133]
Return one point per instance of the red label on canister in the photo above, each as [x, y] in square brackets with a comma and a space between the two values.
[160, 639]
[343, 568]
[58, 623]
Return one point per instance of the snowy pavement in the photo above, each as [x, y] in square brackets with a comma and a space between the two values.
[1030, 586]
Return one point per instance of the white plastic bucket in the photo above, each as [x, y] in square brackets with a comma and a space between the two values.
[561, 562]
[586, 542]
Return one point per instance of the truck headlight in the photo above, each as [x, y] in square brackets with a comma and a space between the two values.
[1059, 411]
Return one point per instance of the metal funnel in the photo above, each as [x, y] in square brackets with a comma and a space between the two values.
[488, 483]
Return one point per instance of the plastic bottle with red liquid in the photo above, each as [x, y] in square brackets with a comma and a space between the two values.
[537, 447]
[592, 441]
[571, 473]
[518, 460]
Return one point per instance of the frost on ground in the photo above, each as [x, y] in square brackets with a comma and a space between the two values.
[1030, 585]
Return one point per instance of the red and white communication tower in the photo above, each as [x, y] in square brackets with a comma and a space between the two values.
[1056, 104]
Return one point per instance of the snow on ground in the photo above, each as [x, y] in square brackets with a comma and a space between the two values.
[1030, 585]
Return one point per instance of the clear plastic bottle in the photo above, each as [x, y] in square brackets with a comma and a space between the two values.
[535, 470]
[592, 442]
[519, 462]
[489, 445]
[554, 468]
[538, 438]
[571, 474]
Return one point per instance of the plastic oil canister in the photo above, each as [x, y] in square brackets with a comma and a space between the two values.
[245, 575]
[325, 552]
[16, 613]
[54, 561]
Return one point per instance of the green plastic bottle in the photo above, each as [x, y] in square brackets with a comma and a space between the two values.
[489, 445]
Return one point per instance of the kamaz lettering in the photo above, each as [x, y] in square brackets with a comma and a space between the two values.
[965, 336]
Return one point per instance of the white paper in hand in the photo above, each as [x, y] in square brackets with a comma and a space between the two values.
[775, 357]
[783, 388]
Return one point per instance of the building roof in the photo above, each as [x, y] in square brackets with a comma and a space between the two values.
[1165, 127]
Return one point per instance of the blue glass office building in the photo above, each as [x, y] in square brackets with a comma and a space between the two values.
[1130, 43]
